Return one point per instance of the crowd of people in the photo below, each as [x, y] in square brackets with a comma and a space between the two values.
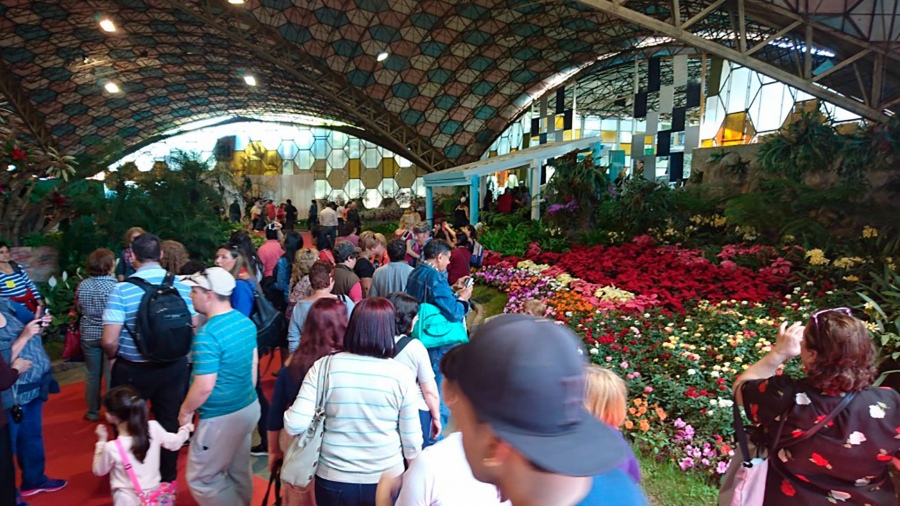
[417, 405]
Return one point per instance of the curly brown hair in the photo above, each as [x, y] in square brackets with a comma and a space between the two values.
[174, 256]
[303, 262]
[845, 354]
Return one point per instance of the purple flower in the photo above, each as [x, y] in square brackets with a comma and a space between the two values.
[722, 467]
[679, 423]
[686, 463]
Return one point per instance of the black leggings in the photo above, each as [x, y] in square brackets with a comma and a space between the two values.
[7, 467]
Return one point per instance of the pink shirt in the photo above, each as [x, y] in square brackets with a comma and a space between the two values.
[269, 253]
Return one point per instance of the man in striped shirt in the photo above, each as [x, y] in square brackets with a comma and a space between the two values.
[163, 384]
[223, 391]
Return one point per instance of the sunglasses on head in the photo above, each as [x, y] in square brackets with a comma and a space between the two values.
[817, 314]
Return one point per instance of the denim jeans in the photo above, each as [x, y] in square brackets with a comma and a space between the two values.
[436, 354]
[332, 493]
[425, 420]
[331, 235]
[28, 444]
[97, 366]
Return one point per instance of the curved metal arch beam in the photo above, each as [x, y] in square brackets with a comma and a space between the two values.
[268, 44]
[681, 34]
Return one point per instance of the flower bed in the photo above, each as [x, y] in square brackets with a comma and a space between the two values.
[675, 325]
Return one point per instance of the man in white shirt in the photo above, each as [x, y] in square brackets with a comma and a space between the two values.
[440, 476]
[328, 222]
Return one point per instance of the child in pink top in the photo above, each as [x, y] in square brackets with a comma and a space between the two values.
[138, 445]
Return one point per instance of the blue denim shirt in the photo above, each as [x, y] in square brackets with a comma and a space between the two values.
[426, 284]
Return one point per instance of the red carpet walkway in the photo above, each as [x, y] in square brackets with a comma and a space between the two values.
[69, 446]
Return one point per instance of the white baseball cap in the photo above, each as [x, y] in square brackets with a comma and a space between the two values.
[214, 279]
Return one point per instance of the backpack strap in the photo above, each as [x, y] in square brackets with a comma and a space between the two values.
[402, 344]
[169, 280]
[144, 285]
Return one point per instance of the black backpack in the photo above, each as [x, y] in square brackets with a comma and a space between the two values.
[271, 325]
[162, 330]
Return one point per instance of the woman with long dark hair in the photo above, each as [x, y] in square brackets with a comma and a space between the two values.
[293, 241]
[230, 257]
[371, 415]
[323, 334]
[241, 238]
[136, 447]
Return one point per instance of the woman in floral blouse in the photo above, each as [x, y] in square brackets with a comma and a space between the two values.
[846, 461]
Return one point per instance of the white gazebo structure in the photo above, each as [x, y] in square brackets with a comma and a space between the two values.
[470, 174]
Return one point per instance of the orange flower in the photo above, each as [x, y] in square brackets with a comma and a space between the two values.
[632, 411]
[629, 425]
[637, 402]
[661, 414]
[645, 425]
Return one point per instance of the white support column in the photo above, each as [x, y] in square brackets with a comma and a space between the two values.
[535, 189]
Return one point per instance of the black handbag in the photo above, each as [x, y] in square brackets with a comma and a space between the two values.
[271, 325]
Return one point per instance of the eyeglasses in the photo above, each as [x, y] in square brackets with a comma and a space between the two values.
[815, 316]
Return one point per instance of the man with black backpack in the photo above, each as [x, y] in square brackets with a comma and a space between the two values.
[148, 327]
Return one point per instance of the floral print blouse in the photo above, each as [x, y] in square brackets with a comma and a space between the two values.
[846, 462]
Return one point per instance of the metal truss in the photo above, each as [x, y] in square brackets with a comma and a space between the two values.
[267, 43]
[28, 114]
[776, 42]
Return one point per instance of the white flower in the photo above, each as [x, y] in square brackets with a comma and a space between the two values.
[876, 410]
[856, 438]
[802, 399]
[725, 403]
[594, 351]
[714, 374]
[840, 496]
[691, 372]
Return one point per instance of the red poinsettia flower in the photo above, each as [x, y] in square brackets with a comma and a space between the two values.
[17, 153]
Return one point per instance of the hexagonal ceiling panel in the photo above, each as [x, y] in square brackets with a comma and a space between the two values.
[455, 73]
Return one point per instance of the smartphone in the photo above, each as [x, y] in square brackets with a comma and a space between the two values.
[469, 281]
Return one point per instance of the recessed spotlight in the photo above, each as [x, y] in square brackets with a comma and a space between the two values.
[235, 2]
[10, 168]
[112, 87]
[382, 56]
[250, 80]
[107, 25]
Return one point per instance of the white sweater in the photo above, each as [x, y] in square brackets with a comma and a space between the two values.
[107, 459]
[371, 417]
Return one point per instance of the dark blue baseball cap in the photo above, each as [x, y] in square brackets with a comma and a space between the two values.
[526, 378]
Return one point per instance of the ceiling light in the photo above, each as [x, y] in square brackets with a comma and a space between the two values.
[112, 87]
[235, 2]
[107, 25]
[382, 56]
[250, 80]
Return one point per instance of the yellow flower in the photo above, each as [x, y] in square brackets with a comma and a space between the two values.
[848, 262]
[817, 257]
[869, 232]
[851, 279]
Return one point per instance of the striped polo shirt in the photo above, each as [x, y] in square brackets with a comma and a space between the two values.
[17, 284]
[124, 301]
[371, 417]
[224, 347]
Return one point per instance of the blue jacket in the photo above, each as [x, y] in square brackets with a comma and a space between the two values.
[426, 284]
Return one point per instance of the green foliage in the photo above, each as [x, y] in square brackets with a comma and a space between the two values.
[640, 206]
[181, 203]
[514, 240]
[882, 305]
[809, 144]
[581, 182]
[386, 228]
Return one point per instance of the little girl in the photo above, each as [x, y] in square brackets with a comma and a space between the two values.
[606, 397]
[132, 460]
